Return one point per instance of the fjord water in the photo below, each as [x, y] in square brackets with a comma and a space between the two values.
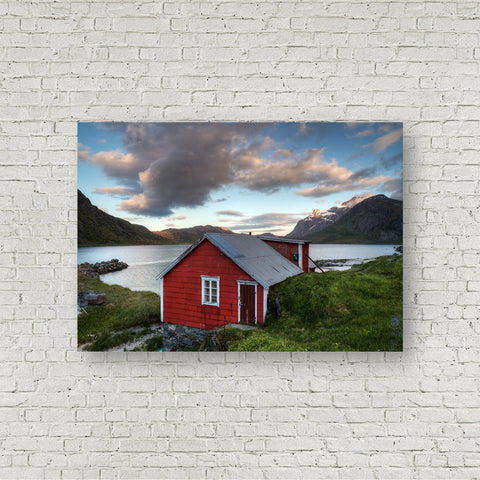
[145, 262]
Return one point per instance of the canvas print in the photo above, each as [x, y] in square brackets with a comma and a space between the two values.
[240, 236]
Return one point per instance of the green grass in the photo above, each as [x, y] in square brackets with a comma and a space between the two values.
[340, 311]
[123, 309]
[107, 340]
[153, 344]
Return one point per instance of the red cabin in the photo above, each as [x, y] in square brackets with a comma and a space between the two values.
[225, 278]
[297, 251]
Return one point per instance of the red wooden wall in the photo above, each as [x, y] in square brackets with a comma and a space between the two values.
[305, 253]
[182, 290]
[288, 249]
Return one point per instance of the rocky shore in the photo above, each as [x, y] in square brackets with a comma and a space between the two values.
[94, 270]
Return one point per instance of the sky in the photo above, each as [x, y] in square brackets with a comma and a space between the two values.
[247, 177]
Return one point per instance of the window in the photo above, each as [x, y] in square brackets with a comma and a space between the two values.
[210, 291]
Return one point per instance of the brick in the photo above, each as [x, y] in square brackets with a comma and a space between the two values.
[397, 415]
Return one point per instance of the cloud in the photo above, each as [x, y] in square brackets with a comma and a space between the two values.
[392, 161]
[219, 200]
[363, 133]
[118, 165]
[103, 209]
[363, 173]
[230, 213]
[383, 142]
[268, 220]
[173, 165]
[170, 224]
[102, 140]
[302, 128]
[356, 155]
[394, 187]
[114, 191]
[184, 163]
[82, 151]
[350, 183]
[179, 217]
[264, 175]
[388, 127]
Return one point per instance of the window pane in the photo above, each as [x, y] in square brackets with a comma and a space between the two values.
[214, 298]
[206, 291]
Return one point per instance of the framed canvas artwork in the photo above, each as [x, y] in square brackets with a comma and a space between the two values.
[240, 236]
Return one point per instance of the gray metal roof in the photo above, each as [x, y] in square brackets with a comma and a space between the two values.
[263, 263]
[283, 239]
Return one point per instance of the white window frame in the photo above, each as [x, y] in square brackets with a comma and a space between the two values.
[210, 279]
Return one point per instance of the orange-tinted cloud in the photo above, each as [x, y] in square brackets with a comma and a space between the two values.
[114, 191]
[383, 142]
[230, 213]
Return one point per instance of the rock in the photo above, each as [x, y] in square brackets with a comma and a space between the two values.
[100, 268]
[90, 297]
[180, 337]
[95, 298]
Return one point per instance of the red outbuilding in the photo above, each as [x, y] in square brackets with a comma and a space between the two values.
[225, 278]
[297, 251]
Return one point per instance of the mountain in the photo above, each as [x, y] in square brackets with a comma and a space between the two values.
[188, 235]
[377, 219]
[321, 219]
[96, 227]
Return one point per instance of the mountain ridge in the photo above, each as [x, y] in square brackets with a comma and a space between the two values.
[320, 219]
[373, 219]
[189, 234]
[97, 228]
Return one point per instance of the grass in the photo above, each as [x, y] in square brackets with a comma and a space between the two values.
[341, 311]
[353, 310]
[124, 309]
[153, 344]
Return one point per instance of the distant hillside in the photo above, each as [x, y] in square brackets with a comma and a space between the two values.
[96, 227]
[188, 235]
[321, 219]
[377, 219]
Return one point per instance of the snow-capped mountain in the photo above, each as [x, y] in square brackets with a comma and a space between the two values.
[320, 219]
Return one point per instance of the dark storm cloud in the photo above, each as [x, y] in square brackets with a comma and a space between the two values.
[185, 163]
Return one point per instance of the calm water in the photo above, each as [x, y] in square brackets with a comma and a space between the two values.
[145, 262]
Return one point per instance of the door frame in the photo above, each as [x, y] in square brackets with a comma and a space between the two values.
[247, 282]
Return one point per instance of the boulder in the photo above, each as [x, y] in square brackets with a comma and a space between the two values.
[90, 297]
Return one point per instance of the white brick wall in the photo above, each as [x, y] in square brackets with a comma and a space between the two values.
[65, 414]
